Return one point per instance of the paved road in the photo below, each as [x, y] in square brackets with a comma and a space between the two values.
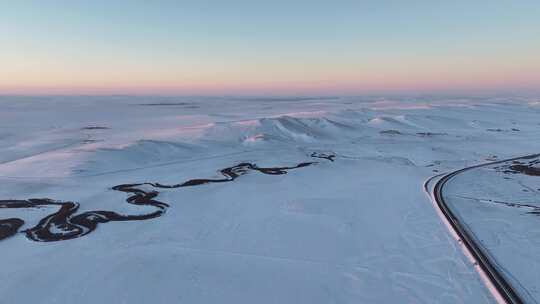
[503, 289]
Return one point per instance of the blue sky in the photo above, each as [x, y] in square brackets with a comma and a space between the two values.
[269, 46]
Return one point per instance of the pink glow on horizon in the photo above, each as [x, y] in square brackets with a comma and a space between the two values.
[381, 82]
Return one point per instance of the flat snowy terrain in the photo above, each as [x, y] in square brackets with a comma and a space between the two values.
[258, 200]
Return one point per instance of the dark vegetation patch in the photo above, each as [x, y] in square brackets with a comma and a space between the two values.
[95, 128]
[430, 134]
[503, 130]
[531, 167]
[390, 132]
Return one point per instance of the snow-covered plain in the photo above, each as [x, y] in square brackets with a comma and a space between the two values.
[357, 228]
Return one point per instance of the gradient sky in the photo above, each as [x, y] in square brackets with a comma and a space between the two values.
[268, 47]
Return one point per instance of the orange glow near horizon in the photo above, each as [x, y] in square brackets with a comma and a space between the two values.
[434, 82]
[237, 78]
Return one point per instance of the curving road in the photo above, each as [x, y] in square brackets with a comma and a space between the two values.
[497, 284]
